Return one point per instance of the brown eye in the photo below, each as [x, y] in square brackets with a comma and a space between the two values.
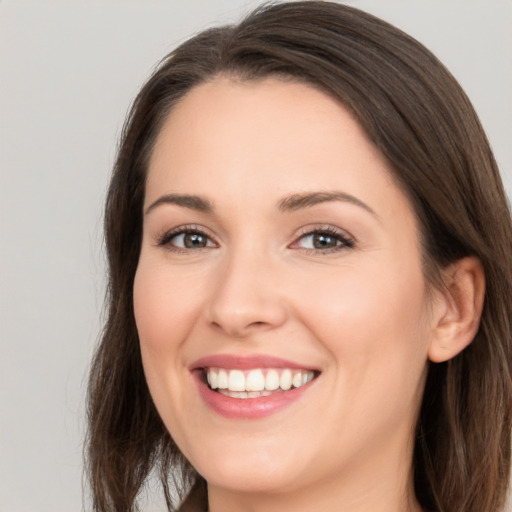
[194, 240]
[188, 239]
[324, 241]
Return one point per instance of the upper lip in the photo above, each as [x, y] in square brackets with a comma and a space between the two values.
[233, 361]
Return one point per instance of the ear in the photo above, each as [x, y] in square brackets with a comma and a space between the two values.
[458, 309]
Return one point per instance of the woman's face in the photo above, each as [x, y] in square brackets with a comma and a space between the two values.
[278, 251]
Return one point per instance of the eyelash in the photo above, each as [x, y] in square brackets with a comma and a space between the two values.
[345, 241]
[165, 240]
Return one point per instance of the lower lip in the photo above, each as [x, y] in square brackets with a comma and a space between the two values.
[248, 408]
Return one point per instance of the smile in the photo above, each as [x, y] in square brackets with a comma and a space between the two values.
[251, 387]
[257, 382]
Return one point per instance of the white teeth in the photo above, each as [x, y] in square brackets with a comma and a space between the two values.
[256, 382]
[236, 380]
[285, 381]
[244, 394]
[213, 379]
[256, 394]
[271, 380]
[222, 380]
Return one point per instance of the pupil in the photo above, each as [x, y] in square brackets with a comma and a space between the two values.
[322, 241]
[193, 240]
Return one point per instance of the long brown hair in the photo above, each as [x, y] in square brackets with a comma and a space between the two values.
[420, 119]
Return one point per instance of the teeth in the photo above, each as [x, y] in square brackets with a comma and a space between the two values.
[285, 382]
[222, 379]
[244, 394]
[236, 380]
[272, 380]
[213, 379]
[257, 382]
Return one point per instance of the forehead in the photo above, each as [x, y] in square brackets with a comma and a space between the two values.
[277, 112]
[262, 140]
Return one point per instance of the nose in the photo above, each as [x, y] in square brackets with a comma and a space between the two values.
[246, 298]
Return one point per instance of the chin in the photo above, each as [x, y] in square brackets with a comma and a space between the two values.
[245, 478]
[255, 470]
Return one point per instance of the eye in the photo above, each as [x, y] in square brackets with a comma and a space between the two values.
[186, 239]
[323, 240]
[190, 240]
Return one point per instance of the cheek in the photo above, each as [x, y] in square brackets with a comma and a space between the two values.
[165, 312]
[165, 307]
[376, 332]
[372, 322]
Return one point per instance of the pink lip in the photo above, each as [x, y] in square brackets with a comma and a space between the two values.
[229, 361]
[250, 408]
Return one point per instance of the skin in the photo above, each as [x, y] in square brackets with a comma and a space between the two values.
[359, 313]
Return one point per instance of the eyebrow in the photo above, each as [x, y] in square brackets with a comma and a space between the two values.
[309, 199]
[290, 203]
[187, 201]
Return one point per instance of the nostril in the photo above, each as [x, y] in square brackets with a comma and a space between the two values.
[239, 329]
[239, 309]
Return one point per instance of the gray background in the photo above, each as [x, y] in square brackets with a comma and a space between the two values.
[68, 71]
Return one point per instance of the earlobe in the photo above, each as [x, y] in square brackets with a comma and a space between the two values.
[459, 309]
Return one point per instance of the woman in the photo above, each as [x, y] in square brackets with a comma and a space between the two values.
[308, 245]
